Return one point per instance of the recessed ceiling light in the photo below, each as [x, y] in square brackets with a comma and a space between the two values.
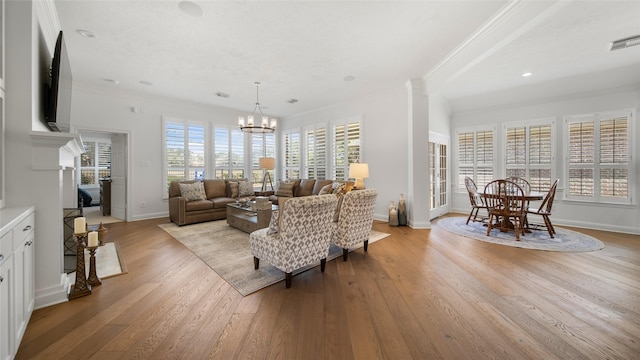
[145, 82]
[349, 78]
[85, 33]
[112, 81]
[292, 101]
[527, 74]
[190, 8]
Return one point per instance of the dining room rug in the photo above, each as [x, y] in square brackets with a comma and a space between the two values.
[227, 251]
[564, 239]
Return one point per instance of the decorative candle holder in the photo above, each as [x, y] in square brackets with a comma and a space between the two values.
[81, 287]
[93, 278]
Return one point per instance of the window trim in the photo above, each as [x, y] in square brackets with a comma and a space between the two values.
[456, 146]
[165, 121]
[598, 116]
[551, 122]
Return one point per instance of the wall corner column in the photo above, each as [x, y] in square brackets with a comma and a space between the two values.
[418, 146]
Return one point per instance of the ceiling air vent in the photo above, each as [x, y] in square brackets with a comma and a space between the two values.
[221, 94]
[625, 43]
[292, 101]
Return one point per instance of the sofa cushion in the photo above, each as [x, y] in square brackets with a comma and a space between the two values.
[305, 188]
[285, 188]
[192, 192]
[245, 188]
[215, 188]
[198, 205]
[221, 202]
[319, 185]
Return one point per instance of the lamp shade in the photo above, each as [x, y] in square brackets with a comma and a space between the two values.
[267, 163]
[358, 171]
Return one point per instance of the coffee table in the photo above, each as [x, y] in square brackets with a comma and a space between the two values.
[247, 219]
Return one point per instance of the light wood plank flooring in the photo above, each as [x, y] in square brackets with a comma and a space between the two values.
[418, 294]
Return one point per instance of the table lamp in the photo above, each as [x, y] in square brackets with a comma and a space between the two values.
[359, 172]
[267, 163]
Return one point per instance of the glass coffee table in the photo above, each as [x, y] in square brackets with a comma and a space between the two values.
[247, 218]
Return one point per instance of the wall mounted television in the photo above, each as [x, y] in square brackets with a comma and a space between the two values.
[58, 101]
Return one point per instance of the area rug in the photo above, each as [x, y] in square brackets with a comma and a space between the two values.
[564, 239]
[227, 251]
[108, 262]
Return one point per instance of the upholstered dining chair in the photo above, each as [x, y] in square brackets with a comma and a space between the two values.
[545, 208]
[354, 220]
[302, 238]
[477, 202]
[505, 201]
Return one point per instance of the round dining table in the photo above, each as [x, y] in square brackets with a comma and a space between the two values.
[504, 224]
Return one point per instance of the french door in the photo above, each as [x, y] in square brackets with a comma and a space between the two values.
[438, 175]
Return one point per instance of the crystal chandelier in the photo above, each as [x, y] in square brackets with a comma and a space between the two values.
[251, 126]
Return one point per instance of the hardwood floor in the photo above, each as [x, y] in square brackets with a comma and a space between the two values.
[418, 294]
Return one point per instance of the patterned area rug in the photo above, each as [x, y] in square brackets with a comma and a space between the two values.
[227, 251]
[564, 240]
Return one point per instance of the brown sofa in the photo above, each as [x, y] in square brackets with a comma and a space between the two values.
[214, 207]
[305, 187]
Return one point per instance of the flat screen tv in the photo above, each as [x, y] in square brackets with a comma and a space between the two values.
[58, 101]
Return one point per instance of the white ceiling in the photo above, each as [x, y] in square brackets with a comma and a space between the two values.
[304, 49]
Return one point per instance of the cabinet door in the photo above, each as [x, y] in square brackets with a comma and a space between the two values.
[6, 311]
[18, 291]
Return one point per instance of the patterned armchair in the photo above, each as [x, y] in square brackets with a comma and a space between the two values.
[355, 219]
[303, 236]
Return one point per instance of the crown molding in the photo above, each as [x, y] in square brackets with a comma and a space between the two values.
[513, 20]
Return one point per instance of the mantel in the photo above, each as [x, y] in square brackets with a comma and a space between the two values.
[44, 142]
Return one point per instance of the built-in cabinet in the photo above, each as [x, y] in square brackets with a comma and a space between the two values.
[17, 276]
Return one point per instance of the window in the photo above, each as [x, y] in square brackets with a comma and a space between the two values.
[262, 145]
[346, 148]
[599, 166]
[316, 153]
[184, 154]
[228, 144]
[475, 156]
[528, 152]
[95, 163]
[291, 154]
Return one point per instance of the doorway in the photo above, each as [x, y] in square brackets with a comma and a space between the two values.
[438, 175]
[102, 173]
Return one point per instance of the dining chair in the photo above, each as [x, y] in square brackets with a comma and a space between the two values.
[505, 201]
[522, 182]
[477, 202]
[545, 208]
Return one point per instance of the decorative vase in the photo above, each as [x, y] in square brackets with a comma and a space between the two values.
[393, 215]
[402, 211]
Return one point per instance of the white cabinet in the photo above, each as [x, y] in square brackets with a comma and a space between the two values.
[6, 301]
[24, 289]
[17, 275]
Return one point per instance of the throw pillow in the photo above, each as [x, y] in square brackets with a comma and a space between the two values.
[235, 190]
[273, 223]
[338, 188]
[192, 192]
[325, 190]
[245, 188]
[285, 189]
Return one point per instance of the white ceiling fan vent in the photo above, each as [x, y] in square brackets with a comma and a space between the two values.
[625, 43]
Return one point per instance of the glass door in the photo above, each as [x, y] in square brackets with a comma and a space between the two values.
[438, 175]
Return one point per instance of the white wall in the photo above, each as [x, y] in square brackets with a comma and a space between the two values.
[109, 110]
[385, 135]
[588, 215]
